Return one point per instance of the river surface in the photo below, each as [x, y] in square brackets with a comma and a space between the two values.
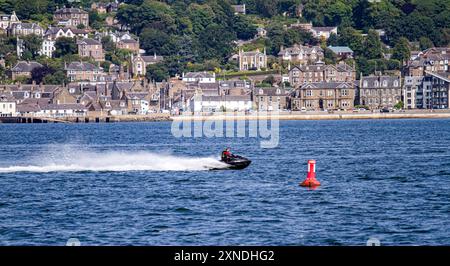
[136, 184]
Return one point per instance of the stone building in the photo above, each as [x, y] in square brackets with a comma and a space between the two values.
[322, 95]
[83, 71]
[254, 60]
[91, 48]
[270, 99]
[139, 63]
[24, 29]
[71, 17]
[379, 92]
[319, 72]
[24, 69]
[435, 59]
[301, 54]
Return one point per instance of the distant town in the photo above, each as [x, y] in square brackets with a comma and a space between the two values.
[111, 74]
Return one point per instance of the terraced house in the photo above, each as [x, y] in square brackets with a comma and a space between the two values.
[271, 99]
[319, 72]
[378, 92]
[71, 17]
[323, 95]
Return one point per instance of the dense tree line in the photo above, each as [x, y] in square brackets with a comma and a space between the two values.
[200, 34]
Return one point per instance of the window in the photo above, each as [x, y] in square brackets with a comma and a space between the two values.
[396, 83]
[309, 93]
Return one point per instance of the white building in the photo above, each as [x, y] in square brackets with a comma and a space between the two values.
[323, 32]
[411, 85]
[48, 47]
[202, 103]
[64, 110]
[199, 77]
[7, 106]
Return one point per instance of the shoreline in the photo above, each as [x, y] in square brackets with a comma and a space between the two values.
[293, 117]
[444, 114]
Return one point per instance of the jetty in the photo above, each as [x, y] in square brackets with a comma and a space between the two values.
[85, 119]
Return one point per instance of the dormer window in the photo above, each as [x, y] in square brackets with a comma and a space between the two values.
[278, 91]
[376, 84]
[396, 83]
[261, 91]
[384, 83]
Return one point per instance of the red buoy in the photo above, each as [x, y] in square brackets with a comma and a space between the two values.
[311, 180]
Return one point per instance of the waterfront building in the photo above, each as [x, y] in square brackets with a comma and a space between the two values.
[220, 103]
[411, 86]
[379, 91]
[434, 93]
[435, 59]
[270, 99]
[7, 105]
[323, 95]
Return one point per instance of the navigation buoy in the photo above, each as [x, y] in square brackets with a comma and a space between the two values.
[311, 180]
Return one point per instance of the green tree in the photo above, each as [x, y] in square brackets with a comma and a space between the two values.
[157, 72]
[65, 46]
[425, 43]
[372, 46]
[401, 50]
[32, 45]
[244, 28]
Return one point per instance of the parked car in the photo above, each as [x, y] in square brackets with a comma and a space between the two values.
[384, 110]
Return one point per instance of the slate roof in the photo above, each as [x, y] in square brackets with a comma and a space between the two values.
[88, 41]
[24, 66]
[371, 81]
[72, 10]
[327, 85]
[82, 66]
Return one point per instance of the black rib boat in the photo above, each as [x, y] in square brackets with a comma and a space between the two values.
[236, 162]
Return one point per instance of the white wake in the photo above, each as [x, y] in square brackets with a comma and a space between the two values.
[112, 161]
